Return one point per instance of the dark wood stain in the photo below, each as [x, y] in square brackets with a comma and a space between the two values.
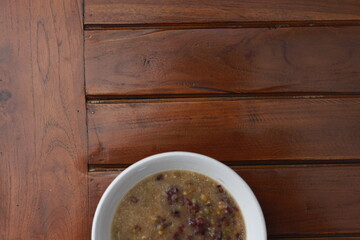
[5, 95]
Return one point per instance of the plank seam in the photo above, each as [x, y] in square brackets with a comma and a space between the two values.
[317, 236]
[108, 99]
[201, 25]
[120, 167]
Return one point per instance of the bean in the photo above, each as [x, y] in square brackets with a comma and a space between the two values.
[220, 189]
[173, 195]
[134, 199]
[159, 177]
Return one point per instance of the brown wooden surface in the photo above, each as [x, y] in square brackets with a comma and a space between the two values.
[43, 180]
[296, 200]
[228, 130]
[44, 193]
[196, 61]
[316, 238]
[175, 11]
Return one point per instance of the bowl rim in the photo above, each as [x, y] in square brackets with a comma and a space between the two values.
[262, 225]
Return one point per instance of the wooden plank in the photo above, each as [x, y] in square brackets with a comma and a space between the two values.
[296, 200]
[198, 11]
[43, 180]
[317, 238]
[229, 130]
[222, 61]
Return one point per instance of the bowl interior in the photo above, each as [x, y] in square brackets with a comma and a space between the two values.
[248, 204]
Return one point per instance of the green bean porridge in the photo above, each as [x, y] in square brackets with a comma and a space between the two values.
[177, 205]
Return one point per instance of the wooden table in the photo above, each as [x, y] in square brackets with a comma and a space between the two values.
[270, 88]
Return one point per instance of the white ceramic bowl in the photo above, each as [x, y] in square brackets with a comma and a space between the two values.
[235, 185]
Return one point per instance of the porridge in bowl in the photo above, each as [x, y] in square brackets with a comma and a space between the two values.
[178, 204]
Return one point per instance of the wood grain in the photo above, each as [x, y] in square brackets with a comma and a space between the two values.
[222, 61]
[316, 238]
[43, 173]
[265, 130]
[175, 11]
[296, 200]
